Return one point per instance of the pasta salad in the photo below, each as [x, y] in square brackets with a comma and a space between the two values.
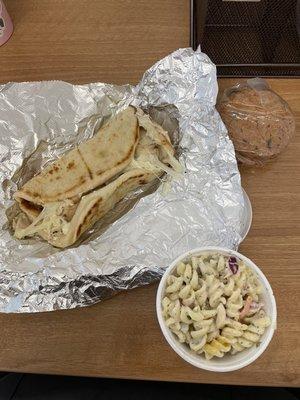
[213, 304]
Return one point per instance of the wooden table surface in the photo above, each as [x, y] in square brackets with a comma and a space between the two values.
[115, 41]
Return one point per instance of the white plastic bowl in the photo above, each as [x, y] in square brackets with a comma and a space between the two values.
[228, 362]
[247, 217]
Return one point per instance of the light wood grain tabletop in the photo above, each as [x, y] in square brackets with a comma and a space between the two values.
[114, 41]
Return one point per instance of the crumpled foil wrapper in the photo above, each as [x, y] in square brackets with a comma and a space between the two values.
[136, 242]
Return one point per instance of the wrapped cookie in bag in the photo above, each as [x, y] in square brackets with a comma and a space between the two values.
[259, 122]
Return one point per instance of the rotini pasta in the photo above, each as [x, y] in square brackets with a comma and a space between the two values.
[251, 335]
[234, 304]
[212, 303]
[217, 347]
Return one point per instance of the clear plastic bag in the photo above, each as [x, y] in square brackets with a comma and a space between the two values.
[259, 122]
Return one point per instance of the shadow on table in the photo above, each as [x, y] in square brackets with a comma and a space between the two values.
[49, 387]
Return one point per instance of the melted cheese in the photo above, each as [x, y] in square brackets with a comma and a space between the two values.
[153, 130]
[153, 165]
[49, 221]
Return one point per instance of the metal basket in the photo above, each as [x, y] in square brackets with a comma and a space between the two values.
[249, 38]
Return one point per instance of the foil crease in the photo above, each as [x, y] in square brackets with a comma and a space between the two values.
[41, 120]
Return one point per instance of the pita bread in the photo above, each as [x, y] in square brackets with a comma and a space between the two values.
[89, 165]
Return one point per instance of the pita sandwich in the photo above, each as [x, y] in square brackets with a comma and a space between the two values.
[67, 197]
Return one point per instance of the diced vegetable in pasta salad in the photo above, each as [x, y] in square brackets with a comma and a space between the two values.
[213, 304]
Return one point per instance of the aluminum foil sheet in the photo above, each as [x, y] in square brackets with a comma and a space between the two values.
[134, 244]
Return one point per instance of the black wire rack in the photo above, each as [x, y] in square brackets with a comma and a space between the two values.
[249, 38]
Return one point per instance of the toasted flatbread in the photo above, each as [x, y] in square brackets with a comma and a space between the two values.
[135, 152]
[89, 165]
